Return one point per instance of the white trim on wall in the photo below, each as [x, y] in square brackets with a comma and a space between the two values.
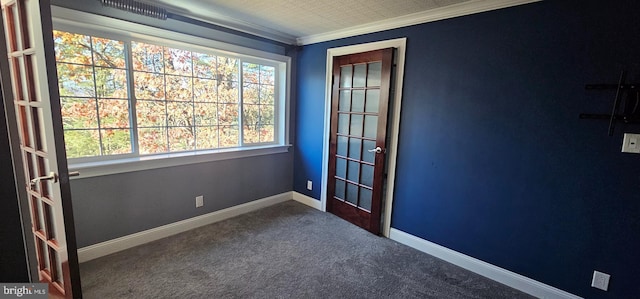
[447, 12]
[307, 200]
[506, 277]
[112, 246]
[394, 119]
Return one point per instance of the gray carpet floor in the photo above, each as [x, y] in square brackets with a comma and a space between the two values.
[283, 251]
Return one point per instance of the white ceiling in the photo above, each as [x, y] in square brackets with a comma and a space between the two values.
[311, 21]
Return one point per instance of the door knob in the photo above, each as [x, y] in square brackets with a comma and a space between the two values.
[51, 176]
[376, 150]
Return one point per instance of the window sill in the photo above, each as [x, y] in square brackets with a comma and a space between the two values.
[94, 169]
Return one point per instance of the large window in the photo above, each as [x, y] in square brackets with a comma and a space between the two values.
[125, 97]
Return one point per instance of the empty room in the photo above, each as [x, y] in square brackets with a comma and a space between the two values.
[320, 149]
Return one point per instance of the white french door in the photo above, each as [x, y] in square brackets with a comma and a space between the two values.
[30, 56]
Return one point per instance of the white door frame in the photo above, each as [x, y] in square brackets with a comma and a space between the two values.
[394, 121]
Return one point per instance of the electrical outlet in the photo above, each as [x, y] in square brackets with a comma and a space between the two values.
[199, 201]
[600, 280]
[309, 185]
[631, 143]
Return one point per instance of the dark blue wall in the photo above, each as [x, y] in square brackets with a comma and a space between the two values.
[13, 259]
[493, 161]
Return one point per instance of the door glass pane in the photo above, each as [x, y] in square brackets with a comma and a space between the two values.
[341, 168]
[354, 148]
[370, 126]
[344, 104]
[358, 101]
[352, 194]
[342, 146]
[365, 198]
[345, 76]
[340, 189]
[359, 75]
[356, 125]
[353, 173]
[366, 176]
[366, 155]
[373, 100]
[343, 123]
[373, 76]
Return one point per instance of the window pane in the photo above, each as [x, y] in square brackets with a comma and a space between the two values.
[179, 114]
[370, 126]
[366, 178]
[114, 113]
[359, 75]
[358, 101]
[267, 94]
[147, 57]
[181, 139]
[228, 114]
[116, 141]
[152, 140]
[204, 65]
[373, 76]
[151, 113]
[206, 137]
[250, 73]
[228, 92]
[340, 189]
[107, 52]
[148, 86]
[79, 113]
[251, 93]
[228, 136]
[267, 115]
[341, 168]
[343, 123]
[356, 125]
[342, 146]
[177, 62]
[251, 120]
[75, 80]
[365, 198]
[205, 90]
[227, 69]
[355, 146]
[72, 48]
[345, 76]
[344, 103]
[267, 133]
[267, 75]
[179, 88]
[206, 114]
[111, 83]
[82, 143]
[373, 100]
[352, 193]
[251, 134]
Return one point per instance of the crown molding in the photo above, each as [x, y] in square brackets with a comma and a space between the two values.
[447, 12]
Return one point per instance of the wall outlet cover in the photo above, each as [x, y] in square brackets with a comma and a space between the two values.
[309, 185]
[600, 280]
[199, 201]
[631, 143]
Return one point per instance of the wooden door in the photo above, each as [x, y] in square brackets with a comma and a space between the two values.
[29, 42]
[357, 148]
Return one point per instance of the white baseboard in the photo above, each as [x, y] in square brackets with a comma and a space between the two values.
[112, 246]
[506, 277]
[310, 201]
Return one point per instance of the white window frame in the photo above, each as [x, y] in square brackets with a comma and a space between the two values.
[100, 26]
